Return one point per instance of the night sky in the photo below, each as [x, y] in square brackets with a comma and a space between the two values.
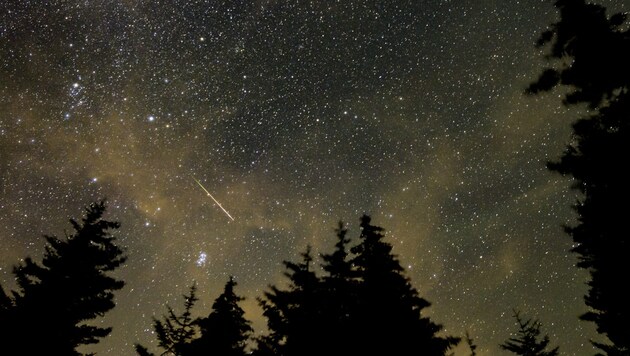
[294, 117]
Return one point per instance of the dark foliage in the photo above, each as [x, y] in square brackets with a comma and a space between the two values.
[389, 316]
[294, 315]
[363, 305]
[49, 313]
[471, 344]
[142, 351]
[528, 341]
[225, 331]
[174, 332]
[590, 53]
[339, 296]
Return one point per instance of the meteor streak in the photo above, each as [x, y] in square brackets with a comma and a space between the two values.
[210, 195]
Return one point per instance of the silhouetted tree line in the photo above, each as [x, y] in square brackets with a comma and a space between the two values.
[363, 303]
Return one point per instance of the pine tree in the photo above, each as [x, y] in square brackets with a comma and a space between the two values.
[390, 308]
[362, 305]
[49, 313]
[174, 332]
[588, 53]
[336, 264]
[338, 298]
[528, 342]
[225, 330]
[293, 315]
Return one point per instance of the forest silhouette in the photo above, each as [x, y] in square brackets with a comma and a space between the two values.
[363, 303]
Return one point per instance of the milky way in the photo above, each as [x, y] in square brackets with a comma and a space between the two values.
[294, 117]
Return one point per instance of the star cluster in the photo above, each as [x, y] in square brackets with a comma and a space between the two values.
[294, 115]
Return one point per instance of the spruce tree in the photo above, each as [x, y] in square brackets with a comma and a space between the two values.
[225, 330]
[338, 298]
[362, 305]
[337, 265]
[293, 315]
[389, 315]
[588, 54]
[51, 310]
[528, 341]
[174, 332]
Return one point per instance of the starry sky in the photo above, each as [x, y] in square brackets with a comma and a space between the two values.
[294, 115]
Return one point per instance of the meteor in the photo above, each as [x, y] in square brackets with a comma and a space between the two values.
[210, 195]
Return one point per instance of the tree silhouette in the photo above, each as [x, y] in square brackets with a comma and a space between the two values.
[471, 344]
[528, 342]
[49, 312]
[589, 54]
[293, 315]
[389, 308]
[225, 330]
[339, 296]
[363, 305]
[5, 302]
[174, 332]
[142, 351]
[336, 265]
